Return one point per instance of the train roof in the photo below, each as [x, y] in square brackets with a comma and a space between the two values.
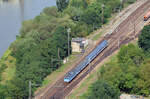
[100, 46]
[74, 71]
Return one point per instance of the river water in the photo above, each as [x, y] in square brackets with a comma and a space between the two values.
[12, 13]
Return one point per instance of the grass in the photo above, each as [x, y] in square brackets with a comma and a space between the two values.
[127, 4]
[97, 36]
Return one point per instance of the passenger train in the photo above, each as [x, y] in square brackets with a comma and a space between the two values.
[89, 58]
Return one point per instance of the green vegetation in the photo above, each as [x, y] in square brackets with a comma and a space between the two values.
[102, 90]
[62, 4]
[42, 41]
[39, 58]
[144, 38]
[96, 37]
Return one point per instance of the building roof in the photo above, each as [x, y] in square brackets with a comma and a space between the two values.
[78, 39]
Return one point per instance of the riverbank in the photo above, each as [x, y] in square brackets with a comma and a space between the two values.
[13, 13]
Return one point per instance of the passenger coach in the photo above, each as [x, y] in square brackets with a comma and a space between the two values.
[89, 58]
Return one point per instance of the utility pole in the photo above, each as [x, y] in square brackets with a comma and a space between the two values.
[52, 60]
[29, 89]
[103, 13]
[121, 5]
[89, 67]
[58, 54]
[68, 30]
[134, 31]
[93, 27]
[118, 43]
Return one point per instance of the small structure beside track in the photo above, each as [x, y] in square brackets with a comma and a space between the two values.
[78, 44]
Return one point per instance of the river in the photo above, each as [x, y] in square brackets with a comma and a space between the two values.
[13, 13]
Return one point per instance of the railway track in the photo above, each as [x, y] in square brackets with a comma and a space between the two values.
[124, 33]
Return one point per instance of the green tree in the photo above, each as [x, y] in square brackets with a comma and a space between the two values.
[113, 5]
[143, 84]
[75, 13]
[130, 55]
[78, 3]
[62, 4]
[144, 38]
[116, 76]
[126, 82]
[96, 15]
[2, 92]
[130, 1]
[93, 14]
[37, 56]
[60, 40]
[51, 11]
[102, 90]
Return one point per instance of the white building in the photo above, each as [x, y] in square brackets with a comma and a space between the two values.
[78, 44]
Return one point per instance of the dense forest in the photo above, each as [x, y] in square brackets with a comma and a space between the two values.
[36, 47]
[128, 73]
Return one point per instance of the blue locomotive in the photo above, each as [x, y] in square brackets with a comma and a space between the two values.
[89, 58]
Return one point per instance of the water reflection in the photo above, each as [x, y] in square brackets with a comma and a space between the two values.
[21, 3]
[12, 13]
[9, 1]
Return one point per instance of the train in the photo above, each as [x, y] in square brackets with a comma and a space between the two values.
[86, 61]
[147, 16]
